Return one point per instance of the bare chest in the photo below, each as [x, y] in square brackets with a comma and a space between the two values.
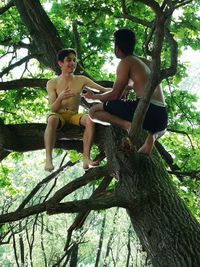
[74, 85]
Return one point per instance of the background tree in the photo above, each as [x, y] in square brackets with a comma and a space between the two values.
[30, 38]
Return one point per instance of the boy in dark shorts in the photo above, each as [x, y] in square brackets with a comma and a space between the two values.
[134, 72]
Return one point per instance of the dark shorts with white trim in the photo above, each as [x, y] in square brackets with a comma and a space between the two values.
[155, 120]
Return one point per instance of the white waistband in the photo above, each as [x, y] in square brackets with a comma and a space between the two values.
[157, 103]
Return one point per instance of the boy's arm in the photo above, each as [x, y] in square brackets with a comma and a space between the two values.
[120, 83]
[93, 85]
[51, 94]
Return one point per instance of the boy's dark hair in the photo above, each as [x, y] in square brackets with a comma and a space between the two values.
[125, 40]
[64, 53]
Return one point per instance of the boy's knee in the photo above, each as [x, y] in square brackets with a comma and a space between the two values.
[52, 121]
[94, 110]
[88, 122]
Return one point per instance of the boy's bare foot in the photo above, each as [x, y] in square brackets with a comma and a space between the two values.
[147, 147]
[49, 166]
[87, 164]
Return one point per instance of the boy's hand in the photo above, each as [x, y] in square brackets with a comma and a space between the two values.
[67, 93]
[87, 93]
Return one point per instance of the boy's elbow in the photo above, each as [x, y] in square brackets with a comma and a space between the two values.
[115, 96]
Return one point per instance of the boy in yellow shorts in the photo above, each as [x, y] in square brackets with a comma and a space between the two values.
[64, 94]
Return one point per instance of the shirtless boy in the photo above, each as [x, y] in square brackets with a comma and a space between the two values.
[132, 71]
[64, 94]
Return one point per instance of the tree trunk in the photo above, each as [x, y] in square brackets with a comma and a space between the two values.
[167, 230]
[46, 41]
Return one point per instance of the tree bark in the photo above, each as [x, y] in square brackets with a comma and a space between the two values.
[167, 230]
[29, 137]
[46, 40]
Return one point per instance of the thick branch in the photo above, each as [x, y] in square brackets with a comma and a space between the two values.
[28, 137]
[24, 213]
[173, 56]
[36, 83]
[104, 200]
[46, 40]
[154, 78]
[21, 83]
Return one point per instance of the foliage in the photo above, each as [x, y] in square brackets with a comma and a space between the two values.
[88, 26]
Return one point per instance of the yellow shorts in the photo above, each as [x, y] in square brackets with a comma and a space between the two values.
[67, 116]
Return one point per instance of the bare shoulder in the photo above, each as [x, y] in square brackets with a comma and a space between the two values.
[81, 80]
[146, 61]
[139, 64]
[52, 83]
[80, 77]
[124, 63]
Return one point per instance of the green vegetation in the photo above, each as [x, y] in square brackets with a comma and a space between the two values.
[39, 240]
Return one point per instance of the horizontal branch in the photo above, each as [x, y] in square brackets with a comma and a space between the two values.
[36, 83]
[22, 83]
[30, 136]
[21, 214]
[104, 200]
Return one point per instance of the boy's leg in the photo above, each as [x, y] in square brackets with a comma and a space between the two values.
[147, 147]
[97, 114]
[88, 137]
[49, 141]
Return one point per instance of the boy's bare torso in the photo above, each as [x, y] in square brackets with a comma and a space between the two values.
[75, 83]
[138, 76]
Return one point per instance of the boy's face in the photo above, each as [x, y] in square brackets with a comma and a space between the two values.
[69, 63]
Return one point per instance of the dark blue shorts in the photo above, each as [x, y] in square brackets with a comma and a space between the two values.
[155, 120]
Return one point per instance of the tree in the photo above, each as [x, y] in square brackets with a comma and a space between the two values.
[167, 230]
